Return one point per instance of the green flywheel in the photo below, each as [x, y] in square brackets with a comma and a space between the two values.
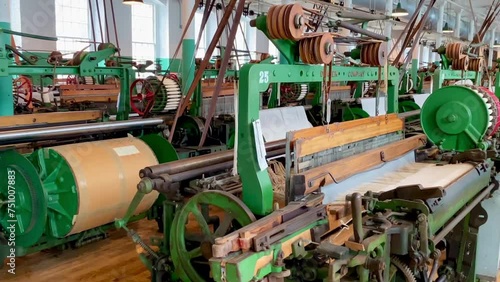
[408, 106]
[354, 113]
[456, 118]
[23, 202]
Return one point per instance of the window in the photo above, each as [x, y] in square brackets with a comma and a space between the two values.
[143, 33]
[72, 26]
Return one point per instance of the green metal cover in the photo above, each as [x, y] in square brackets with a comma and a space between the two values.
[163, 150]
[354, 113]
[455, 118]
[28, 211]
[60, 190]
[408, 106]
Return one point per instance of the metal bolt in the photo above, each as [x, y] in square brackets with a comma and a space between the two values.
[422, 217]
[328, 48]
[298, 21]
[452, 118]
[145, 186]
[436, 254]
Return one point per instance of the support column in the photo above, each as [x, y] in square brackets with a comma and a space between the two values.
[471, 30]
[345, 31]
[223, 37]
[439, 29]
[423, 54]
[162, 40]
[175, 31]
[492, 45]
[6, 99]
[458, 23]
[251, 39]
[210, 30]
[431, 55]
[388, 25]
[187, 47]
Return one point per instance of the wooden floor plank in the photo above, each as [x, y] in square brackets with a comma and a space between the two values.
[113, 259]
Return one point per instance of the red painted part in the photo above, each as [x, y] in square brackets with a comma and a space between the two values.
[71, 80]
[141, 91]
[23, 85]
[173, 76]
[497, 105]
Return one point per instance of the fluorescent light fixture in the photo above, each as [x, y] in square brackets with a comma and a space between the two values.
[133, 2]
[447, 29]
[399, 11]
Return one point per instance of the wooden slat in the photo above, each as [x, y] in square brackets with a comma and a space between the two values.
[242, 239]
[82, 98]
[48, 118]
[348, 133]
[310, 181]
[338, 126]
[90, 92]
[208, 92]
[89, 87]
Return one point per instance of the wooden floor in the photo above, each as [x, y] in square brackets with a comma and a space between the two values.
[110, 260]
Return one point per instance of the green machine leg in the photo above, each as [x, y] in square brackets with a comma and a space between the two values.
[6, 98]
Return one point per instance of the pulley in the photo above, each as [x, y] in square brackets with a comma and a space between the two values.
[460, 64]
[476, 64]
[461, 117]
[286, 22]
[455, 51]
[317, 49]
[373, 54]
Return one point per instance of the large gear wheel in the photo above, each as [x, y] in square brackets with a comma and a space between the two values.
[403, 272]
[206, 216]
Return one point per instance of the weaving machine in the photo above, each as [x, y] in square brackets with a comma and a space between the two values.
[362, 201]
[366, 204]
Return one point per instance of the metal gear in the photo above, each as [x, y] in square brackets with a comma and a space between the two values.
[404, 269]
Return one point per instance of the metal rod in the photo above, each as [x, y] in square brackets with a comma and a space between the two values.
[360, 16]
[409, 114]
[158, 182]
[48, 133]
[358, 29]
[202, 161]
[357, 216]
[440, 236]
